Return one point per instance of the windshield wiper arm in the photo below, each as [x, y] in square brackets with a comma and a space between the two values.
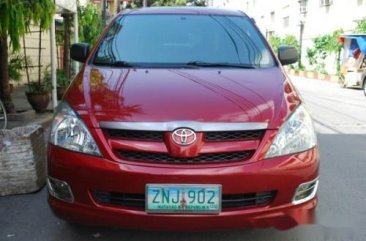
[228, 65]
[116, 64]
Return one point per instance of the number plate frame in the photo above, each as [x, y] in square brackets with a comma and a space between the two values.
[216, 187]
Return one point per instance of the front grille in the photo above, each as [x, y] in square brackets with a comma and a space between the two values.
[244, 200]
[203, 158]
[121, 199]
[234, 135]
[209, 136]
[135, 135]
[229, 201]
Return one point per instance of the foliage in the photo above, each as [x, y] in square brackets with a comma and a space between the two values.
[169, 3]
[138, 3]
[15, 67]
[291, 40]
[90, 23]
[18, 15]
[323, 46]
[41, 87]
[35, 87]
[62, 80]
[276, 41]
[361, 26]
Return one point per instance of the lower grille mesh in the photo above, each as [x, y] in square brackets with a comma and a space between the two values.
[203, 158]
[229, 201]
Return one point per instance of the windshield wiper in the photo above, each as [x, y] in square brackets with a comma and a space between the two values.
[227, 65]
[115, 64]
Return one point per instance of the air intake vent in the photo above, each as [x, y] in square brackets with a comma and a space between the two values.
[230, 201]
[203, 158]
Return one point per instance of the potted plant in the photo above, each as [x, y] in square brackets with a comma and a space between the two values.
[38, 94]
[62, 83]
[15, 67]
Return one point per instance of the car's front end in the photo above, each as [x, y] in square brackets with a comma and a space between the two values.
[179, 146]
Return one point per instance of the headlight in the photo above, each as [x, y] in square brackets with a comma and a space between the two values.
[69, 132]
[296, 135]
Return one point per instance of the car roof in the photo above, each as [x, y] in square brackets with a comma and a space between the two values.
[184, 10]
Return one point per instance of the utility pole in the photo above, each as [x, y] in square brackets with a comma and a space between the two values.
[144, 3]
[303, 11]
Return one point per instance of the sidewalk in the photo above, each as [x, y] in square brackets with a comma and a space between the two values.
[25, 114]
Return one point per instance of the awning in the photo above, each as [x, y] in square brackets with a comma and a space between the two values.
[360, 39]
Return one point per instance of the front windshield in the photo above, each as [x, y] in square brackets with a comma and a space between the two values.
[172, 39]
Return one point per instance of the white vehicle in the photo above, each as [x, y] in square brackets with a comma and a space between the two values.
[353, 62]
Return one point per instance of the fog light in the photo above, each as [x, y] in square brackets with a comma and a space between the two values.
[59, 189]
[305, 192]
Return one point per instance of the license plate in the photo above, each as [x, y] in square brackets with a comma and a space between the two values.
[171, 198]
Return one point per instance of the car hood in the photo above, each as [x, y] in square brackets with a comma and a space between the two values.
[160, 95]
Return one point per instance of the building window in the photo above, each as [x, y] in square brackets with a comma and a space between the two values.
[324, 3]
[273, 17]
[269, 34]
[286, 22]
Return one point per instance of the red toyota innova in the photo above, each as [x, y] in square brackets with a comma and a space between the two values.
[183, 119]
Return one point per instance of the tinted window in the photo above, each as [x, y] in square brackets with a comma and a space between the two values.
[179, 39]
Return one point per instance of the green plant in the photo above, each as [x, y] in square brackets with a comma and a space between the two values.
[43, 86]
[290, 40]
[16, 18]
[275, 42]
[62, 80]
[323, 46]
[169, 3]
[361, 26]
[35, 87]
[90, 23]
[15, 67]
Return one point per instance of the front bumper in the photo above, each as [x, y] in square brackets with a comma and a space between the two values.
[87, 173]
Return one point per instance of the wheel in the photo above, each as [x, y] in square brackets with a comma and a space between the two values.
[364, 87]
[342, 81]
[3, 117]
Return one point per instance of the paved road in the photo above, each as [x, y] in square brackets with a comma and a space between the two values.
[340, 118]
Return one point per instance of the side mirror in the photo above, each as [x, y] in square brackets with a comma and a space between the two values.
[79, 52]
[287, 54]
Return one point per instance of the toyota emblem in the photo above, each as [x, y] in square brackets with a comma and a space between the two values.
[184, 136]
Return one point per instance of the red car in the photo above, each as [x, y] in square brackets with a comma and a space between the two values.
[183, 119]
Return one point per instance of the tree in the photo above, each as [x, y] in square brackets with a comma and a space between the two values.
[16, 18]
[323, 46]
[275, 41]
[90, 23]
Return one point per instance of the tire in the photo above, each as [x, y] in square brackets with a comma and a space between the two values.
[364, 87]
[3, 116]
[342, 82]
